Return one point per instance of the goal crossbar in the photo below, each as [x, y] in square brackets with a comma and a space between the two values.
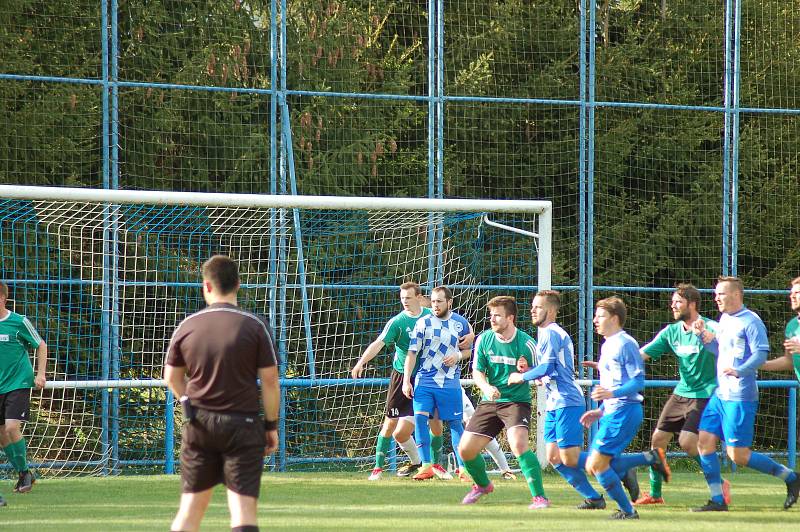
[213, 199]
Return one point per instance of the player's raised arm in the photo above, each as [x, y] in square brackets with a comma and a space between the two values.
[369, 353]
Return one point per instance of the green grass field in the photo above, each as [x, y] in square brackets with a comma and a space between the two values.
[339, 501]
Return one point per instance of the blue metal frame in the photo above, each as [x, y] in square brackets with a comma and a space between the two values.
[283, 181]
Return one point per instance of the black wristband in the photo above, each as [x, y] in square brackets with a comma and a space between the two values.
[270, 425]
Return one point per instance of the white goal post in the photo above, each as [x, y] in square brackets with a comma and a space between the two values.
[89, 228]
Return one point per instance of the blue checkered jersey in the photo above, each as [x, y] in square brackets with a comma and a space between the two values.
[620, 363]
[555, 359]
[432, 339]
[741, 343]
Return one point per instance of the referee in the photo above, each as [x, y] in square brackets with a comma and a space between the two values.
[213, 361]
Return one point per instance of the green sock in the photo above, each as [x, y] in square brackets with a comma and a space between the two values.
[533, 473]
[655, 483]
[436, 449]
[381, 448]
[477, 470]
[9, 452]
[20, 455]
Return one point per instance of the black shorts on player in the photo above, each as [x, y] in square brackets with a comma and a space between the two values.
[490, 418]
[220, 447]
[15, 404]
[681, 414]
[397, 404]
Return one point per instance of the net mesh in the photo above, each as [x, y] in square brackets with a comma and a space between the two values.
[107, 284]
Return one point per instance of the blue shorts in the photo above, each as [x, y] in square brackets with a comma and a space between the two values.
[731, 421]
[562, 426]
[445, 401]
[618, 429]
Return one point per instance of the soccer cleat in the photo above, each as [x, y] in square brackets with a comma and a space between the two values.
[441, 472]
[792, 492]
[25, 482]
[712, 506]
[376, 474]
[648, 499]
[726, 491]
[631, 484]
[476, 493]
[2, 501]
[508, 475]
[539, 503]
[407, 469]
[593, 504]
[619, 514]
[424, 474]
[660, 464]
[463, 476]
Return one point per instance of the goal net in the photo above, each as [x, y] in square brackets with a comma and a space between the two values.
[105, 276]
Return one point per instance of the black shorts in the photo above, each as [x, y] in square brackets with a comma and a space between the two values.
[15, 404]
[397, 404]
[223, 448]
[681, 413]
[490, 418]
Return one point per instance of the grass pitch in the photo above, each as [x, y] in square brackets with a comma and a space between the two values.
[346, 501]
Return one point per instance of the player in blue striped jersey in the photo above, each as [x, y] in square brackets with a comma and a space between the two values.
[741, 346]
[565, 404]
[437, 385]
[620, 415]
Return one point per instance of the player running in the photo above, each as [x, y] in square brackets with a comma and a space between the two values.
[620, 415]
[555, 370]
[741, 342]
[698, 379]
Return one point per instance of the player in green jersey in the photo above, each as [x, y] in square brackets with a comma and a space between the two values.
[698, 378]
[399, 420]
[791, 343]
[503, 405]
[17, 338]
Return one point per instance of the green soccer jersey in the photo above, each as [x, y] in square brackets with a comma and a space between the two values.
[697, 366]
[497, 359]
[397, 331]
[17, 337]
[793, 330]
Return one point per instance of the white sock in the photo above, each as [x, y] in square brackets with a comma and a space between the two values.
[410, 448]
[498, 455]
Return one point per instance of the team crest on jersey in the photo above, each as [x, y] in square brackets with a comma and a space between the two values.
[459, 327]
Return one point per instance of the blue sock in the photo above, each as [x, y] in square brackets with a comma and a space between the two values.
[765, 464]
[611, 483]
[622, 463]
[710, 464]
[423, 437]
[456, 431]
[578, 480]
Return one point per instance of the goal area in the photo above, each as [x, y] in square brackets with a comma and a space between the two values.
[106, 275]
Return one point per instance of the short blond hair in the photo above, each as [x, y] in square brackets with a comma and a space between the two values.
[614, 306]
[735, 282]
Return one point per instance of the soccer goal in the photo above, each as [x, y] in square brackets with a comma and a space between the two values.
[106, 275]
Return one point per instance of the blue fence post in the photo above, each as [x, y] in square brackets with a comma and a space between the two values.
[791, 442]
[169, 434]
